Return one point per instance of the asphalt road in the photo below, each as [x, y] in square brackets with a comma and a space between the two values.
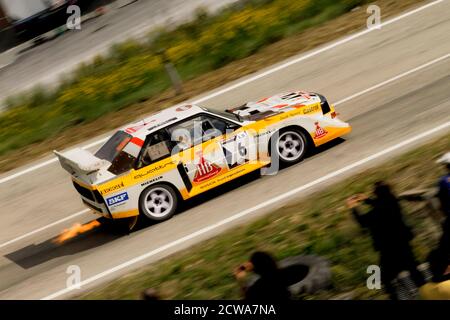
[33, 267]
[46, 63]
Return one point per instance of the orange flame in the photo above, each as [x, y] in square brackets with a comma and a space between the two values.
[75, 230]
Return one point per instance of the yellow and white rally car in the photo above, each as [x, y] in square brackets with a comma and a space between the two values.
[149, 167]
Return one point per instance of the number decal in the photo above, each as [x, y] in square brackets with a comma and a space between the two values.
[235, 150]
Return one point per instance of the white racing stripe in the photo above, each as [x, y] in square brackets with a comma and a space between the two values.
[251, 79]
[421, 67]
[250, 211]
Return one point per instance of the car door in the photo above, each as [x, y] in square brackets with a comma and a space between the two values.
[205, 153]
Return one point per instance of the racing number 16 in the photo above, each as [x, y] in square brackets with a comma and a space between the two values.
[235, 150]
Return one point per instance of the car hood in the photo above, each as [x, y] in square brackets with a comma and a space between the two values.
[268, 107]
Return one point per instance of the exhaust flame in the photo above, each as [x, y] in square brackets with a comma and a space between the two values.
[75, 230]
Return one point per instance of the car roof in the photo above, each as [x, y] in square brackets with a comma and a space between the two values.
[161, 120]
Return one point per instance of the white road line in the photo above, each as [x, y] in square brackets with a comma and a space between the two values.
[407, 73]
[250, 210]
[253, 78]
[79, 213]
[46, 163]
[339, 102]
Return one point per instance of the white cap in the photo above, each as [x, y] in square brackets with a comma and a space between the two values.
[445, 159]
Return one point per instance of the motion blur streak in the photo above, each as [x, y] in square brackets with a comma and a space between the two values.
[241, 83]
[249, 211]
[377, 86]
[76, 230]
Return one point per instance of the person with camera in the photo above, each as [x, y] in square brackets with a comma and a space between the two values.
[269, 285]
[390, 235]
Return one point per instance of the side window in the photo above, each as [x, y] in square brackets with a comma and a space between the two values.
[195, 131]
[216, 126]
[186, 134]
[157, 147]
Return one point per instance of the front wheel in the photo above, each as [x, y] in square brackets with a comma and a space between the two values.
[158, 202]
[290, 146]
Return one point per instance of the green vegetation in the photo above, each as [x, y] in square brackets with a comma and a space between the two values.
[319, 225]
[134, 71]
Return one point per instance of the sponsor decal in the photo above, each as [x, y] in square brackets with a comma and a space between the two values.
[205, 170]
[135, 128]
[320, 132]
[162, 123]
[113, 188]
[310, 109]
[183, 108]
[262, 134]
[117, 199]
[146, 183]
[151, 170]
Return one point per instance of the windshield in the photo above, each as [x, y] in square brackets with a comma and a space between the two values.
[227, 115]
[115, 152]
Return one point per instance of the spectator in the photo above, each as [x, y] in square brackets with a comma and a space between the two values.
[444, 186]
[269, 286]
[443, 248]
[390, 235]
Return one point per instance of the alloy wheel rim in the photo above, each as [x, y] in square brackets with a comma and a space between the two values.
[158, 202]
[290, 146]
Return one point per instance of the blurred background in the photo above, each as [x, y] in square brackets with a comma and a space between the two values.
[61, 87]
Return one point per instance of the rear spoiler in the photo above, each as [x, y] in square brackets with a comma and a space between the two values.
[80, 161]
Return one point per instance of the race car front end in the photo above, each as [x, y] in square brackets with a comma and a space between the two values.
[310, 111]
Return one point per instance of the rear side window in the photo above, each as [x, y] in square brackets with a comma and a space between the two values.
[113, 146]
[113, 151]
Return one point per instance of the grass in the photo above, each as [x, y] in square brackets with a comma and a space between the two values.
[114, 90]
[319, 225]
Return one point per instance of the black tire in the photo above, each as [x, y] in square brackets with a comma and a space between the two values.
[290, 146]
[158, 202]
[317, 273]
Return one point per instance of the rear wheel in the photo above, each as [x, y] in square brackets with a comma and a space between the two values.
[290, 146]
[158, 202]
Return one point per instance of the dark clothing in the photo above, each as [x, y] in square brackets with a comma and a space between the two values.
[391, 237]
[444, 194]
[267, 289]
[441, 255]
[385, 224]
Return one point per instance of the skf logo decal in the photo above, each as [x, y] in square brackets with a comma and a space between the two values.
[205, 170]
[117, 199]
[320, 132]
